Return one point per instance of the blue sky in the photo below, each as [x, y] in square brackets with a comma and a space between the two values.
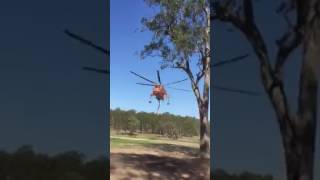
[126, 41]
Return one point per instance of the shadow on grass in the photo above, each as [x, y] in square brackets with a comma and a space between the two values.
[160, 167]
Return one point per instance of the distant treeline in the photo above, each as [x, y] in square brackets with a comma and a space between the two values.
[220, 174]
[165, 124]
[25, 164]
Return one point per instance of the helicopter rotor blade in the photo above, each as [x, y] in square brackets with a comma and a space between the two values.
[103, 71]
[236, 90]
[158, 74]
[145, 84]
[143, 77]
[179, 89]
[87, 42]
[238, 58]
[175, 82]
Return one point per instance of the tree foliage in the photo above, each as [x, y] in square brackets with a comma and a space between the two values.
[132, 124]
[179, 30]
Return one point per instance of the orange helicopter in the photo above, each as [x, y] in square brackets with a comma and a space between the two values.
[159, 90]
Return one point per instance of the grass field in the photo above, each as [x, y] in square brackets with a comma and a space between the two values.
[149, 156]
[145, 139]
[117, 142]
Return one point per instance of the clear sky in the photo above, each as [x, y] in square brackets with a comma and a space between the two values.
[126, 43]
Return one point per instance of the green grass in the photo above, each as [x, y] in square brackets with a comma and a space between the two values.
[160, 144]
[118, 142]
[186, 144]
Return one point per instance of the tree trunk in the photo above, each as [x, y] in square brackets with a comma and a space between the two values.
[204, 132]
[299, 134]
[203, 104]
[299, 156]
[298, 131]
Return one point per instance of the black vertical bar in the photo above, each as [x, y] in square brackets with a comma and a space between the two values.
[211, 90]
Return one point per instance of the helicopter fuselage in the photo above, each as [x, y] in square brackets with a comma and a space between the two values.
[159, 92]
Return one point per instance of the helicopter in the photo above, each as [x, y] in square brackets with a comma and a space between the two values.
[159, 91]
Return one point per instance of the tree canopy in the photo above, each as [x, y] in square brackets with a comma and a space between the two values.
[179, 31]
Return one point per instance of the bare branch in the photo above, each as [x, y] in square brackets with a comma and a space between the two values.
[287, 44]
[248, 12]
[195, 88]
[293, 37]
[247, 26]
[200, 74]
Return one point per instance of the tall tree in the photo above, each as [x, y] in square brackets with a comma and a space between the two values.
[132, 123]
[298, 129]
[181, 33]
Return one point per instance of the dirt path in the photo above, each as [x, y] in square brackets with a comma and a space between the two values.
[144, 163]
